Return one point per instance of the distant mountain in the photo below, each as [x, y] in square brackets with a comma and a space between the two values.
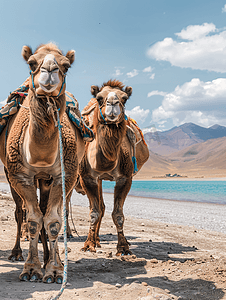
[180, 137]
[206, 159]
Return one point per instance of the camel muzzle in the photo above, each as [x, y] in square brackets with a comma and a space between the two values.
[112, 111]
[49, 77]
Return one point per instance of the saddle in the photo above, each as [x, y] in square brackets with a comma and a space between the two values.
[134, 133]
[15, 101]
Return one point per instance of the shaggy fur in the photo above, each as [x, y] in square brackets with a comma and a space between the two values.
[31, 159]
[109, 157]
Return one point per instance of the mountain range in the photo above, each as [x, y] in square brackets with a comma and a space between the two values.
[181, 137]
[187, 150]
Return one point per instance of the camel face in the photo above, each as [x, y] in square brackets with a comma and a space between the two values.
[49, 76]
[48, 68]
[112, 101]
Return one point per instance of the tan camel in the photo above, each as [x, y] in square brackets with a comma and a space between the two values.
[109, 157]
[31, 154]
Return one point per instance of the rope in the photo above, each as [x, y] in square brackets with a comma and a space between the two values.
[73, 221]
[64, 283]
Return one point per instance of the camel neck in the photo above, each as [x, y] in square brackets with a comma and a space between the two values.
[42, 134]
[109, 138]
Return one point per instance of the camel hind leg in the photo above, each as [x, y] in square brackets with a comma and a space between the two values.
[102, 211]
[122, 188]
[69, 233]
[16, 253]
[90, 186]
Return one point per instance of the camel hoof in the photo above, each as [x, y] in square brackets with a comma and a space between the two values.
[12, 258]
[59, 279]
[25, 277]
[49, 279]
[34, 277]
[20, 258]
[70, 236]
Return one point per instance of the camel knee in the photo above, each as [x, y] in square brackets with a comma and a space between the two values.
[53, 229]
[34, 228]
[118, 219]
[94, 217]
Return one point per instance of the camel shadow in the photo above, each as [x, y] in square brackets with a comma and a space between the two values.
[160, 250]
[84, 274]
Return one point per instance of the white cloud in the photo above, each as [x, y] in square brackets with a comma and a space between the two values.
[203, 48]
[2, 103]
[196, 101]
[194, 32]
[117, 72]
[132, 73]
[147, 70]
[138, 114]
[224, 9]
[156, 93]
[152, 76]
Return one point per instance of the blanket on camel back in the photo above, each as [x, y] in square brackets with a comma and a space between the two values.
[15, 101]
[134, 133]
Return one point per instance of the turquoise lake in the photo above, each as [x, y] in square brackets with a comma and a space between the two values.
[198, 191]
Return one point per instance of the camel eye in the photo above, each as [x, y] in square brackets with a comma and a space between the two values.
[66, 67]
[125, 98]
[32, 65]
[99, 99]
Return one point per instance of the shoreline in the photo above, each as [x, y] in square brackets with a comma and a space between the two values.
[202, 215]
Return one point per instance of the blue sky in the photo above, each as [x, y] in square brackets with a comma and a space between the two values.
[172, 53]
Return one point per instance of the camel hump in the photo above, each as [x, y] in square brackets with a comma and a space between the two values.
[136, 129]
[88, 112]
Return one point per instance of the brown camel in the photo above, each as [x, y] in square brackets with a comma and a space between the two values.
[31, 154]
[109, 157]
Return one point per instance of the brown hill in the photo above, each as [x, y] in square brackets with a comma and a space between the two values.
[207, 159]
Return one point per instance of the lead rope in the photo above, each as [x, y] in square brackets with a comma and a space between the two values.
[64, 283]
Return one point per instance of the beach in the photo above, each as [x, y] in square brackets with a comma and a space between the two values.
[178, 253]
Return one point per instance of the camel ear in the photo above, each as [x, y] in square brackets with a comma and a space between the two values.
[128, 90]
[94, 90]
[71, 56]
[26, 52]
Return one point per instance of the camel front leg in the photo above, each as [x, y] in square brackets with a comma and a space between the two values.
[90, 186]
[52, 222]
[25, 188]
[122, 188]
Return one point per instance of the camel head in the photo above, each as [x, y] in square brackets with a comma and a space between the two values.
[48, 68]
[112, 98]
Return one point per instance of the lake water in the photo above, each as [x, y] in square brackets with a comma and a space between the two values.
[198, 191]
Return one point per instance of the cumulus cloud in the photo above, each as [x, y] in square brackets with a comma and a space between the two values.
[196, 101]
[2, 103]
[194, 32]
[138, 113]
[156, 93]
[203, 48]
[147, 70]
[117, 72]
[132, 73]
[152, 76]
[224, 9]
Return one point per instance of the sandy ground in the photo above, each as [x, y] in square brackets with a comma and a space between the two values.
[176, 256]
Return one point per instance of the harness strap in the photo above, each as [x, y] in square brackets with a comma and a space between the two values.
[102, 116]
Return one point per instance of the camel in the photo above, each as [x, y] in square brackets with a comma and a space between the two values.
[31, 155]
[116, 153]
